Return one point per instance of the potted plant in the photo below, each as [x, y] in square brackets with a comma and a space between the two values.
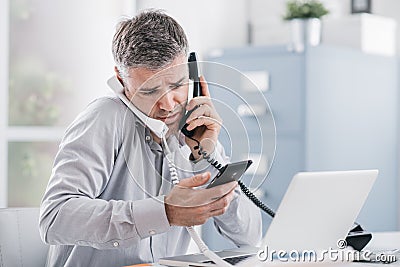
[305, 19]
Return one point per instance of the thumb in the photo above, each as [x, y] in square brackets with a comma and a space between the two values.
[196, 180]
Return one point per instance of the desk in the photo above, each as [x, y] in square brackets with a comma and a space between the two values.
[386, 240]
[382, 240]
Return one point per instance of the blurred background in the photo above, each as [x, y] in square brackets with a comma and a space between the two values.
[333, 91]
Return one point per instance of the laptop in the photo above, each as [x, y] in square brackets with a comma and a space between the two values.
[317, 210]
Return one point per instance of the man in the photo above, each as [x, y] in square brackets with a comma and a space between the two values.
[110, 200]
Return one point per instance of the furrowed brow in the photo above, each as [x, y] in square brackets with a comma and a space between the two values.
[179, 82]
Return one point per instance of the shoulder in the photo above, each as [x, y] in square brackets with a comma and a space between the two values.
[106, 105]
[104, 114]
[104, 109]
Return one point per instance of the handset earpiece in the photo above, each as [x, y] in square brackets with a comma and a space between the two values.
[194, 76]
[156, 126]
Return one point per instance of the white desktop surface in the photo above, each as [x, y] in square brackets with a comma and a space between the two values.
[381, 240]
[385, 240]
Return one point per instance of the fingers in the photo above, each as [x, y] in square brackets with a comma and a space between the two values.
[203, 111]
[204, 99]
[199, 101]
[219, 206]
[204, 115]
[197, 215]
[223, 202]
[194, 181]
[208, 122]
[228, 186]
[221, 190]
[218, 212]
[204, 87]
[215, 208]
[200, 110]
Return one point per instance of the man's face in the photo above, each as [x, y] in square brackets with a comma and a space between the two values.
[161, 95]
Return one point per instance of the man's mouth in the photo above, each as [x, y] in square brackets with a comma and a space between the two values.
[170, 118]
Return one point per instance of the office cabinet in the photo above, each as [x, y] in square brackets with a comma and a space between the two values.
[334, 109]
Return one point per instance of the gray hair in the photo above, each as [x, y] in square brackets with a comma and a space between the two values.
[151, 39]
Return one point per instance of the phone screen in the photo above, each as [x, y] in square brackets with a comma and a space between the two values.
[232, 172]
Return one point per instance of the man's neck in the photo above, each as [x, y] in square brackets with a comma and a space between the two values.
[156, 138]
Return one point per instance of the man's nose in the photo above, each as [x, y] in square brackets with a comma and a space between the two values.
[167, 101]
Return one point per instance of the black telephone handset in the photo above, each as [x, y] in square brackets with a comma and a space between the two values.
[194, 76]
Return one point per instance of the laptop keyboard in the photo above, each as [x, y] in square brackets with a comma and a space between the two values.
[233, 260]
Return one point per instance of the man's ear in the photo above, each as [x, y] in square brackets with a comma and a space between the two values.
[118, 75]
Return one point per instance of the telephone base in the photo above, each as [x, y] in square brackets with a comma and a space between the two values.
[358, 238]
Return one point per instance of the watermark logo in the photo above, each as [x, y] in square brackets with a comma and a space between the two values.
[342, 244]
[341, 253]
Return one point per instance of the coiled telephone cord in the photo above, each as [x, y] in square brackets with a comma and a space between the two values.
[242, 186]
[255, 200]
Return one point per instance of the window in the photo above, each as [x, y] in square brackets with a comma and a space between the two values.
[55, 57]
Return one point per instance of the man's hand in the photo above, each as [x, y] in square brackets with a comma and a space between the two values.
[205, 119]
[186, 206]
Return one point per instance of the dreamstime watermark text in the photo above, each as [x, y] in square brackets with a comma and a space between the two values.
[341, 253]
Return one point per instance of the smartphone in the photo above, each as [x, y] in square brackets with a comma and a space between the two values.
[231, 172]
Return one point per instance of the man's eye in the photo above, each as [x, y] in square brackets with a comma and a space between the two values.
[176, 86]
[150, 92]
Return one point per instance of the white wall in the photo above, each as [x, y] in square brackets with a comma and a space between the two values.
[389, 8]
[4, 18]
[222, 23]
[208, 23]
